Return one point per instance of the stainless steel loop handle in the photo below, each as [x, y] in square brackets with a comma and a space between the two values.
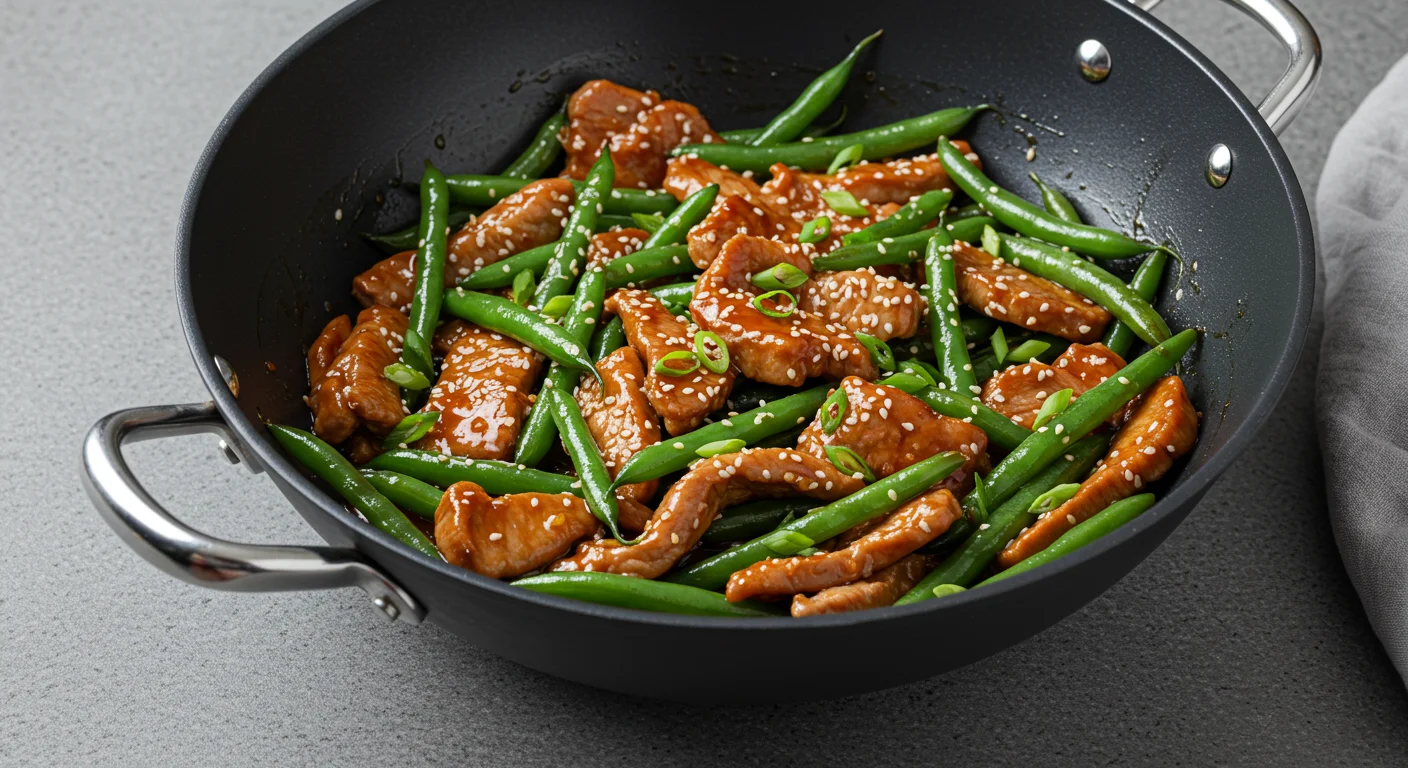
[1280, 106]
[203, 560]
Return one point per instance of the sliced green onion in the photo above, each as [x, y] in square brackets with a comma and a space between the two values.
[648, 221]
[720, 446]
[663, 364]
[879, 351]
[758, 304]
[781, 277]
[523, 286]
[557, 306]
[1027, 351]
[1054, 404]
[920, 369]
[980, 494]
[1053, 498]
[999, 345]
[814, 231]
[844, 202]
[808, 552]
[845, 157]
[905, 382]
[839, 402]
[944, 590]
[992, 242]
[716, 364]
[405, 376]
[411, 429]
[849, 461]
[787, 543]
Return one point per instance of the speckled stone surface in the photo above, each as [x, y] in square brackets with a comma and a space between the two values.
[1239, 642]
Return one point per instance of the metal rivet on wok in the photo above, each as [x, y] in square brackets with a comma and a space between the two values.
[1219, 165]
[388, 608]
[1094, 60]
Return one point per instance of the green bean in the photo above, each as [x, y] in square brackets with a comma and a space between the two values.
[1120, 337]
[674, 293]
[745, 135]
[980, 546]
[1030, 220]
[495, 477]
[484, 191]
[334, 469]
[1085, 532]
[907, 220]
[644, 594]
[822, 523]
[1001, 431]
[814, 100]
[498, 314]
[1055, 203]
[539, 429]
[1089, 280]
[950, 347]
[749, 521]
[407, 239]
[648, 264]
[541, 151]
[586, 457]
[571, 251]
[976, 327]
[883, 141]
[501, 273]
[605, 221]
[414, 496]
[682, 219]
[611, 337]
[673, 454]
[430, 274]
[786, 439]
[905, 249]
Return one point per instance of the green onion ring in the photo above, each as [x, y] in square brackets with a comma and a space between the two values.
[679, 354]
[716, 364]
[758, 304]
[849, 461]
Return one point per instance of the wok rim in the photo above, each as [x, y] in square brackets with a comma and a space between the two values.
[1180, 500]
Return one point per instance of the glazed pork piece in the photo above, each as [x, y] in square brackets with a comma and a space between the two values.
[891, 181]
[483, 394]
[606, 247]
[861, 300]
[509, 535]
[653, 332]
[878, 591]
[528, 218]
[622, 423]
[774, 350]
[349, 389]
[1004, 292]
[694, 501]
[641, 129]
[1019, 391]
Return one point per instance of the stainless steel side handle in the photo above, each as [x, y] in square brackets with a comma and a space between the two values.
[204, 560]
[1280, 106]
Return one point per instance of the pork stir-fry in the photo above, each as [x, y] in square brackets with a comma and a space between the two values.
[578, 415]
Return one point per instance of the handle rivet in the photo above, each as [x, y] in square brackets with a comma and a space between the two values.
[388, 608]
[1219, 165]
[1094, 60]
[229, 453]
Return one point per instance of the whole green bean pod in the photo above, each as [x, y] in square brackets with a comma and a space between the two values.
[950, 347]
[1029, 220]
[415, 496]
[982, 545]
[483, 191]
[1089, 280]
[648, 264]
[540, 429]
[751, 520]
[905, 249]
[1054, 202]
[1001, 431]
[501, 273]
[977, 327]
[499, 314]
[430, 273]
[409, 238]
[822, 523]
[334, 469]
[745, 135]
[674, 293]
[571, 251]
[541, 151]
[1099, 524]
[605, 222]
[644, 594]
[883, 141]
[497, 478]
[689, 213]
[586, 457]
[751, 426]
[907, 220]
[611, 337]
[1119, 337]
[814, 100]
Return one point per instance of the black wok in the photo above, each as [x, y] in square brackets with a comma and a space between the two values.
[317, 148]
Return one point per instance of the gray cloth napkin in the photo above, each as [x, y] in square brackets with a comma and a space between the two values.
[1362, 403]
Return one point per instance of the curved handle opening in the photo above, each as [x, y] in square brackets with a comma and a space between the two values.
[203, 560]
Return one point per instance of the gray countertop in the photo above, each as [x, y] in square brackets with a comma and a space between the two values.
[1239, 641]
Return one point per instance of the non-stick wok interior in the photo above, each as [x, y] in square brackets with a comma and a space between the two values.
[318, 154]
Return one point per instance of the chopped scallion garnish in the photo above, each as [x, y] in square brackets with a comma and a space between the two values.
[999, 345]
[1027, 351]
[716, 361]
[663, 366]
[1053, 498]
[849, 461]
[405, 376]
[1053, 405]
[844, 203]
[845, 157]
[523, 286]
[815, 230]
[834, 410]
[790, 307]
[781, 277]
[879, 351]
[411, 429]
[718, 447]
